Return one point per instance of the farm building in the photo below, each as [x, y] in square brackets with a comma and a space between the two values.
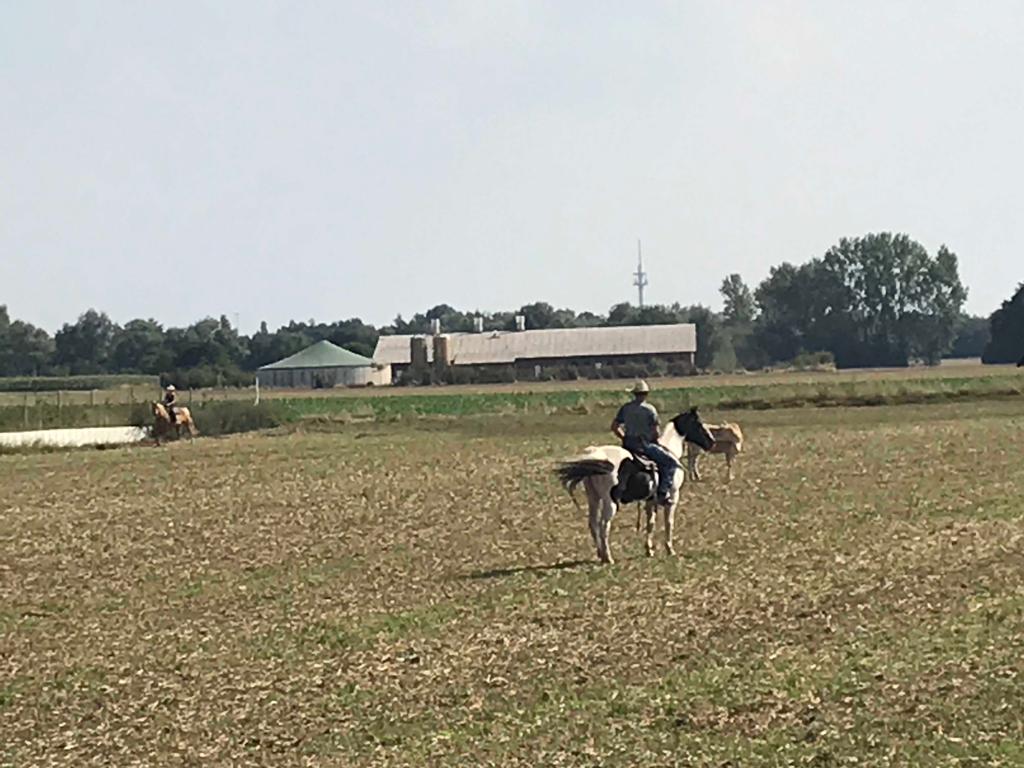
[540, 354]
[323, 365]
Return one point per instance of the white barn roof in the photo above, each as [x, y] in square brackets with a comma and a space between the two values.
[508, 346]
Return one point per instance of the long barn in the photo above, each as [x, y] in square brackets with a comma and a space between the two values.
[526, 355]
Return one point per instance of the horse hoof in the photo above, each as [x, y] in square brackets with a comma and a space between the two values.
[649, 551]
[670, 551]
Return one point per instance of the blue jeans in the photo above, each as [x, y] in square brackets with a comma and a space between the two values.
[666, 467]
[665, 461]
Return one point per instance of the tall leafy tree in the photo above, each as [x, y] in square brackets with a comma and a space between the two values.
[85, 346]
[784, 314]
[1007, 328]
[539, 315]
[24, 349]
[709, 333]
[139, 347]
[972, 335]
[739, 306]
[739, 311]
[872, 301]
[623, 314]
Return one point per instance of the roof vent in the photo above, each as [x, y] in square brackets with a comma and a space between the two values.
[435, 326]
[478, 324]
[520, 322]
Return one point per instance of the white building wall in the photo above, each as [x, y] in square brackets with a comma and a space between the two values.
[304, 378]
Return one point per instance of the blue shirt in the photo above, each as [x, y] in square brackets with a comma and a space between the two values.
[639, 420]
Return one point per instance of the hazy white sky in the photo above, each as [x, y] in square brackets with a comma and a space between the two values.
[328, 159]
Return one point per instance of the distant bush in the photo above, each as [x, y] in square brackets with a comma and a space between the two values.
[208, 377]
[74, 383]
[681, 369]
[228, 417]
[813, 361]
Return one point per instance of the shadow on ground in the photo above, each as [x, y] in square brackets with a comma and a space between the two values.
[497, 573]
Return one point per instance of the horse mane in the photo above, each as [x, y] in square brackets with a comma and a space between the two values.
[161, 411]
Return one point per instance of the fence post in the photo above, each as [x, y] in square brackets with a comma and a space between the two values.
[26, 411]
[60, 408]
[92, 397]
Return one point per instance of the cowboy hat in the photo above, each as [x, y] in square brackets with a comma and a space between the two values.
[640, 388]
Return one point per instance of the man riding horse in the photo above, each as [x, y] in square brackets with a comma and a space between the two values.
[636, 425]
[170, 402]
[171, 417]
[612, 475]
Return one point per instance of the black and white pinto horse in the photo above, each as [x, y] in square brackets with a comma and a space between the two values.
[601, 468]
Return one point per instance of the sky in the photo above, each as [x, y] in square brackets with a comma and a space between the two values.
[281, 160]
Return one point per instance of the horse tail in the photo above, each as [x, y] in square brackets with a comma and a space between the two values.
[572, 473]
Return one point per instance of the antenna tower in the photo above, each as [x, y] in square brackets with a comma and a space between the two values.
[640, 277]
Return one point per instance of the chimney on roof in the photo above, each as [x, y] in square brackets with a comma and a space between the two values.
[478, 324]
[520, 322]
[435, 327]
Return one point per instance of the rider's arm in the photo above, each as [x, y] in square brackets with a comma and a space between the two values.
[618, 425]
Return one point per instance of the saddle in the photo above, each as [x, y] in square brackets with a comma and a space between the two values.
[638, 480]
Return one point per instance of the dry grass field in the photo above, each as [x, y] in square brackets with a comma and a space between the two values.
[422, 593]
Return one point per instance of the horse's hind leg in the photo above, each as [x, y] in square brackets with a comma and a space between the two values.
[670, 511]
[604, 551]
[651, 511]
[594, 511]
[729, 455]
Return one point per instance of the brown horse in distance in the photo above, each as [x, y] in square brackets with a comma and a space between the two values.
[163, 424]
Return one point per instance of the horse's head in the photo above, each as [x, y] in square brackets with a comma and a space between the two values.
[159, 411]
[692, 429]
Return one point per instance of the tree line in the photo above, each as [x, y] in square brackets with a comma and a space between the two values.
[877, 300]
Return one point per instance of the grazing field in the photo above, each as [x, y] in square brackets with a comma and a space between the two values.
[422, 593]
